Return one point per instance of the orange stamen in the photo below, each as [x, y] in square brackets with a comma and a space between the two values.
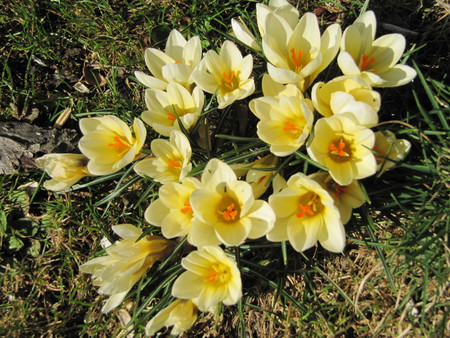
[186, 209]
[297, 57]
[290, 126]
[119, 143]
[177, 62]
[305, 209]
[365, 61]
[212, 277]
[340, 151]
[339, 189]
[173, 163]
[229, 79]
[382, 153]
[171, 117]
[261, 179]
[230, 213]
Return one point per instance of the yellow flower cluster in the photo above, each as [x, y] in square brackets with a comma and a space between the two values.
[217, 203]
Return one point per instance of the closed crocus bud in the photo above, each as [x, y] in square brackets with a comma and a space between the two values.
[125, 263]
[388, 150]
[109, 143]
[211, 278]
[181, 314]
[64, 169]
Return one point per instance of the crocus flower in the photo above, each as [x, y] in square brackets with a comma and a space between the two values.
[279, 7]
[166, 109]
[356, 86]
[176, 64]
[297, 55]
[346, 197]
[211, 277]
[225, 210]
[64, 169]
[285, 122]
[388, 150]
[125, 263]
[181, 314]
[306, 214]
[228, 73]
[172, 161]
[375, 60]
[344, 147]
[172, 210]
[109, 143]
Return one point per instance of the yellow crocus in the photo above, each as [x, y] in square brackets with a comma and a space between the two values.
[306, 214]
[375, 60]
[109, 144]
[389, 150]
[227, 74]
[64, 169]
[125, 263]
[211, 278]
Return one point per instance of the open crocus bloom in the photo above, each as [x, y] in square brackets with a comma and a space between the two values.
[211, 277]
[125, 263]
[172, 161]
[388, 150]
[176, 64]
[278, 7]
[64, 169]
[109, 144]
[181, 314]
[172, 210]
[227, 74]
[346, 198]
[356, 86]
[167, 109]
[344, 147]
[225, 210]
[306, 214]
[297, 55]
[375, 60]
[285, 122]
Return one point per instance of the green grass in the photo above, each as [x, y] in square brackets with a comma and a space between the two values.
[392, 279]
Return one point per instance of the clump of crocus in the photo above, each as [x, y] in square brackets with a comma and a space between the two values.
[375, 60]
[389, 150]
[225, 210]
[171, 161]
[172, 211]
[176, 64]
[226, 74]
[64, 169]
[211, 278]
[125, 263]
[306, 214]
[109, 144]
[344, 147]
[172, 107]
[181, 314]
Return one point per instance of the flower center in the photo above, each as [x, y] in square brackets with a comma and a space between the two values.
[186, 208]
[365, 62]
[170, 116]
[229, 209]
[297, 58]
[309, 205]
[219, 274]
[229, 213]
[340, 150]
[229, 82]
[118, 143]
[173, 163]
